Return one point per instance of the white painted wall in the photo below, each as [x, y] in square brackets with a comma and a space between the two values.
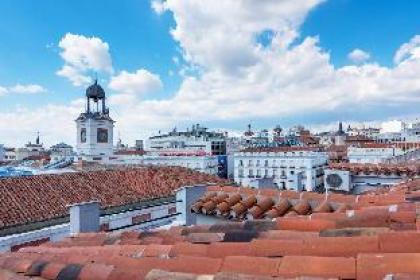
[293, 170]
[91, 147]
[371, 155]
[58, 232]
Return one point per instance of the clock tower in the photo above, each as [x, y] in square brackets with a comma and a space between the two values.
[95, 127]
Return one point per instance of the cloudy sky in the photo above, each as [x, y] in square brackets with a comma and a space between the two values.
[222, 63]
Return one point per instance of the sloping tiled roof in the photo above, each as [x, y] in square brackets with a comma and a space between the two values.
[361, 244]
[379, 237]
[35, 198]
[411, 169]
[236, 203]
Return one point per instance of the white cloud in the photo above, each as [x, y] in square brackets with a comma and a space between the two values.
[27, 89]
[3, 91]
[55, 122]
[138, 83]
[238, 78]
[158, 6]
[410, 50]
[358, 56]
[74, 75]
[22, 89]
[228, 75]
[83, 54]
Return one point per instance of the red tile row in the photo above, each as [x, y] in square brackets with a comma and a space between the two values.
[35, 198]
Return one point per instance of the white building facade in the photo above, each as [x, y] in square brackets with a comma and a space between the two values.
[372, 154]
[196, 140]
[61, 151]
[205, 164]
[289, 168]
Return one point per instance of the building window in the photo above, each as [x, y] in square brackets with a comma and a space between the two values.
[258, 162]
[258, 173]
[241, 173]
[292, 172]
[250, 173]
[241, 163]
[83, 135]
[266, 163]
[102, 135]
[266, 173]
[250, 162]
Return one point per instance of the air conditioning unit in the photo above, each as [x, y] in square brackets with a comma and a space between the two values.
[337, 180]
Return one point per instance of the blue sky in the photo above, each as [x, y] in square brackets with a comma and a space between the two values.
[203, 76]
[379, 27]
[31, 30]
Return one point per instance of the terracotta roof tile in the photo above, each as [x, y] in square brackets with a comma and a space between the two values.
[299, 224]
[198, 265]
[405, 276]
[185, 248]
[324, 244]
[205, 237]
[400, 242]
[377, 266]
[156, 250]
[251, 265]
[224, 249]
[340, 246]
[323, 207]
[277, 248]
[287, 234]
[251, 204]
[95, 272]
[158, 274]
[343, 268]
[349, 232]
[50, 194]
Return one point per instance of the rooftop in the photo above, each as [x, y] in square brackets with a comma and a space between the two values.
[279, 149]
[368, 243]
[375, 236]
[409, 170]
[37, 198]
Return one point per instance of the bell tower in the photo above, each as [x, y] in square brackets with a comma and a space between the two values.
[95, 127]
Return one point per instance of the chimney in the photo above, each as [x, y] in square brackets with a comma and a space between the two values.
[185, 198]
[84, 217]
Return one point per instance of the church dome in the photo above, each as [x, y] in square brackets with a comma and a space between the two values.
[95, 91]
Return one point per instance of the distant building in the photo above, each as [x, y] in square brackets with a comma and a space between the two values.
[294, 168]
[9, 154]
[95, 127]
[389, 137]
[139, 145]
[29, 151]
[2, 153]
[340, 136]
[370, 132]
[373, 153]
[205, 164]
[61, 151]
[196, 140]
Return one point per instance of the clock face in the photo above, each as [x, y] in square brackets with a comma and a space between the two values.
[334, 180]
[102, 135]
[83, 135]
